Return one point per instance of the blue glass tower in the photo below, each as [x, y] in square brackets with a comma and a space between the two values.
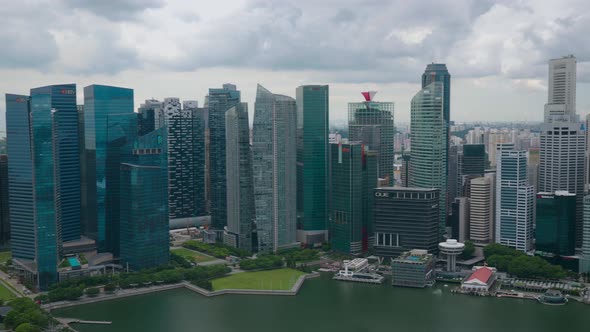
[438, 72]
[220, 101]
[144, 240]
[110, 124]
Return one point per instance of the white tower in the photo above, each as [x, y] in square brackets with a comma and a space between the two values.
[451, 248]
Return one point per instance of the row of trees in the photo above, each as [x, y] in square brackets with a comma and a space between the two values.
[216, 250]
[299, 255]
[263, 262]
[519, 264]
[73, 289]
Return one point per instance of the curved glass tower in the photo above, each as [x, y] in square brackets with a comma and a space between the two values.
[274, 166]
[429, 144]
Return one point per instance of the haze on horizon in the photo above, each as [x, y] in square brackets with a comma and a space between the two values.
[496, 51]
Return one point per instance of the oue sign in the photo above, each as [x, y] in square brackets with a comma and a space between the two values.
[381, 194]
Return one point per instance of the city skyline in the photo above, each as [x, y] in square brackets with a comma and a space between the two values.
[116, 48]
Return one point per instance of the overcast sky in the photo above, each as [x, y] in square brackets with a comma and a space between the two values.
[496, 51]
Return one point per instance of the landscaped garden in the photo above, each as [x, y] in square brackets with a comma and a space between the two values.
[5, 293]
[281, 279]
[192, 255]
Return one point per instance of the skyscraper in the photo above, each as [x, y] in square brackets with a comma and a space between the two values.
[219, 102]
[471, 162]
[110, 125]
[147, 113]
[562, 151]
[144, 240]
[199, 119]
[438, 72]
[240, 187]
[4, 209]
[429, 144]
[274, 165]
[371, 122]
[514, 199]
[183, 160]
[480, 211]
[405, 219]
[312, 162]
[353, 175]
[555, 223]
[585, 259]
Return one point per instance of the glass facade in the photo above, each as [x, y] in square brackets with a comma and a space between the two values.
[144, 238]
[585, 259]
[405, 219]
[62, 99]
[556, 223]
[371, 122]
[240, 187]
[274, 169]
[104, 133]
[312, 157]
[429, 145]
[437, 72]
[353, 178]
[219, 101]
[20, 175]
[514, 199]
[4, 216]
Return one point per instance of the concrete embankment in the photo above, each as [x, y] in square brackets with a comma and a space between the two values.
[141, 291]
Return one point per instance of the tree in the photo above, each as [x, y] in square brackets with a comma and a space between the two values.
[468, 251]
[92, 292]
[109, 288]
[27, 327]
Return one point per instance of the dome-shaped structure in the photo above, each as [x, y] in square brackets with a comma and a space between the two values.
[451, 248]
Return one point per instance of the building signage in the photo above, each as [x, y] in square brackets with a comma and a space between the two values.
[381, 194]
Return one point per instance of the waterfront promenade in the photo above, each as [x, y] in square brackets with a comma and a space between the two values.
[122, 293]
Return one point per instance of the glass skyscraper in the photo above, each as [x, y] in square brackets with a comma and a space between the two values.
[144, 240]
[219, 102]
[353, 176]
[4, 216]
[240, 187]
[274, 168]
[312, 162]
[585, 259]
[110, 125]
[429, 144]
[371, 122]
[555, 223]
[438, 72]
[514, 199]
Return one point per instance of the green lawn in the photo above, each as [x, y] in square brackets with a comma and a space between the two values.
[192, 255]
[282, 279]
[5, 293]
[4, 256]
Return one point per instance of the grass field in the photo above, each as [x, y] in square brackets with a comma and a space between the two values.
[282, 279]
[4, 256]
[5, 293]
[192, 255]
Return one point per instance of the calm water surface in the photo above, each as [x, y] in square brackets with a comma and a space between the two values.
[327, 305]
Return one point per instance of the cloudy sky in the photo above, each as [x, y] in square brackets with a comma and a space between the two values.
[496, 51]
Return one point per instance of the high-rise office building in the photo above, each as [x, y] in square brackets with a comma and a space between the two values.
[183, 159]
[405, 219]
[480, 211]
[59, 102]
[353, 175]
[312, 163]
[471, 162]
[454, 189]
[146, 114]
[585, 259]
[110, 125]
[4, 209]
[371, 122]
[199, 123]
[219, 101]
[240, 186]
[555, 223]
[144, 238]
[459, 219]
[438, 72]
[514, 199]
[274, 169]
[562, 151]
[429, 144]
[44, 177]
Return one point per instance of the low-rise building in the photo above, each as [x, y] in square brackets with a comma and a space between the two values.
[480, 280]
[414, 268]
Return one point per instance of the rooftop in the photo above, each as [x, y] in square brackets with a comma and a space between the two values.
[406, 189]
[482, 274]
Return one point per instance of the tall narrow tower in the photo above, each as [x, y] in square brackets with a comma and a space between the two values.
[562, 152]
